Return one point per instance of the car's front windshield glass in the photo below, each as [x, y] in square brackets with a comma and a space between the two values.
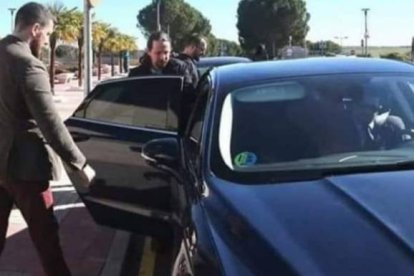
[318, 123]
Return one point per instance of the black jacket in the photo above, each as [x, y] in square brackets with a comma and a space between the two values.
[192, 67]
[174, 67]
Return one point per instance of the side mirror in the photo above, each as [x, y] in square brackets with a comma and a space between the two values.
[161, 152]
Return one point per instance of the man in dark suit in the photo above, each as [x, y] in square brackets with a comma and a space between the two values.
[194, 48]
[32, 136]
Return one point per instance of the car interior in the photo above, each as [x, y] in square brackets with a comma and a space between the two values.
[334, 117]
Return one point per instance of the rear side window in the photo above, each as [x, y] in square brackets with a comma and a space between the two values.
[146, 103]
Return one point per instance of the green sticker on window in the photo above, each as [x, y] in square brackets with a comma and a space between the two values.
[245, 159]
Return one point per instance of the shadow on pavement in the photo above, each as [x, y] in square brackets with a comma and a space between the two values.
[85, 244]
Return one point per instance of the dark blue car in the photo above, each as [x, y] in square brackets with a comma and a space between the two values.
[286, 167]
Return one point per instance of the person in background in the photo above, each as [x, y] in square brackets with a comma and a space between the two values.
[194, 48]
[157, 59]
[125, 57]
[260, 53]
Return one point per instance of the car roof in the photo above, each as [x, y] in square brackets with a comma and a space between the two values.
[221, 60]
[239, 74]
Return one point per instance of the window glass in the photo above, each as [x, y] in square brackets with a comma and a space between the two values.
[144, 103]
[194, 131]
[317, 123]
[197, 116]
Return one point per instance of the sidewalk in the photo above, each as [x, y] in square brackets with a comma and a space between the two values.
[90, 249]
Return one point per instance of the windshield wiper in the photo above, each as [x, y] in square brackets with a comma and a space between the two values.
[406, 164]
[376, 167]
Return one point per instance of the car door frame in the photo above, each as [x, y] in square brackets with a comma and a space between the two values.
[194, 170]
[150, 216]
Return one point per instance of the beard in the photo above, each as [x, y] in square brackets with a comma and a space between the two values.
[35, 47]
[161, 64]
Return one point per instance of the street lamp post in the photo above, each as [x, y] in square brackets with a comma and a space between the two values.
[341, 38]
[87, 34]
[366, 34]
[11, 19]
[158, 2]
[158, 15]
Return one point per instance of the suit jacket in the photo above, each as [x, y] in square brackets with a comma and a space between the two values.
[32, 132]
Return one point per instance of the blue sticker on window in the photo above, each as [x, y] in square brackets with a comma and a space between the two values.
[245, 159]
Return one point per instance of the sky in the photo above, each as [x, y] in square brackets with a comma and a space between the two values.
[390, 22]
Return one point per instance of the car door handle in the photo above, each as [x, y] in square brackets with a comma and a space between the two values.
[79, 137]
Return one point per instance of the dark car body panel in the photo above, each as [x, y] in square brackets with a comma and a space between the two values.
[106, 144]
[127, 192]
[339, 225]
[344, 224]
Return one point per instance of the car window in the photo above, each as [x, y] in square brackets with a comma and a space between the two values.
[195, 126]
[144, 103]
[407, 88]
[317, 123]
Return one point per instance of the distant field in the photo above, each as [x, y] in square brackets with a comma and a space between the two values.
[377, 51]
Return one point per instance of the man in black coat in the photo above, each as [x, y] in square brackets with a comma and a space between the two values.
[194, 48]
[158, 61]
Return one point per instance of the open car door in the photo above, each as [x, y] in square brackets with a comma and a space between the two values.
[110, 127]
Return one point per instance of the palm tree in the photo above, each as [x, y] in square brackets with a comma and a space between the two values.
[130, 43]
[118, 43]
[113, 45]
[100, 34]
[122, 45]
[64, 30]
[127, 44]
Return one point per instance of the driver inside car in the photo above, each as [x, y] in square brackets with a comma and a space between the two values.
[377, 127]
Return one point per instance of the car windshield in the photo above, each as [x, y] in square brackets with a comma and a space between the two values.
[318, 123]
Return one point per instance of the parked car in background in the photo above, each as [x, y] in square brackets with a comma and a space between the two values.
[206, 63]
[287, 167]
